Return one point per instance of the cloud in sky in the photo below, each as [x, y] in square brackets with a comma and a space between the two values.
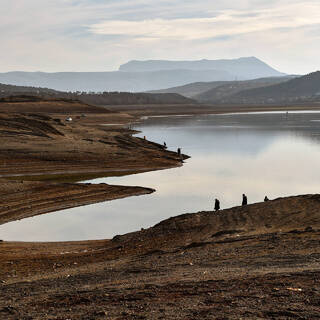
[228, 22]
[98, 35]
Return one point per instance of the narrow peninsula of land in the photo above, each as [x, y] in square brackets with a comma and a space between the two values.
[48, 144]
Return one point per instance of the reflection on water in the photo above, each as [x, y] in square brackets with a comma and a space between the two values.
[257, 154]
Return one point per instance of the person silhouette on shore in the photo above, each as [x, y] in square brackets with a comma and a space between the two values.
[216, 205]
[244, 200]
[266, 199]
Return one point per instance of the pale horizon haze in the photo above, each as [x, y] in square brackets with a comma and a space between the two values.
[100, 35]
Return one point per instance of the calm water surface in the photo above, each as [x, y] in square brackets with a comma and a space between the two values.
[271, 154]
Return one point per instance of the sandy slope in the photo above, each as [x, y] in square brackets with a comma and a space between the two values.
[226, 265]
[22, 199]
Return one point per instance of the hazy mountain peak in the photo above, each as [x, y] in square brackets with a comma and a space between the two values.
[138, 75]
[243, 68]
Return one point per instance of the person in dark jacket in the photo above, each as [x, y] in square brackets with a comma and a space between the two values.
[217, 205]
[266, 199]
[244, 200]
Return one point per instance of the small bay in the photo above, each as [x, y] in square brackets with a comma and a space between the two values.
[259, 154]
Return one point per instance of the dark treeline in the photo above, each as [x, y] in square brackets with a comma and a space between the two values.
[10, 93]
[127, 98]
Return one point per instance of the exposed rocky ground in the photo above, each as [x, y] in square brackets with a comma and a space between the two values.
[260, 261]
[40, 144]
[47, 146]
[22, 199]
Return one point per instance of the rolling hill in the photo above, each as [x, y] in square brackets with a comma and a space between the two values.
[10, 93]
[207, 91]
[7, 90]
[302, 89]
[192, 89]
[228, 89]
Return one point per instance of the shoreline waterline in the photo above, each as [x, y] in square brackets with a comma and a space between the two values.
[221, 156]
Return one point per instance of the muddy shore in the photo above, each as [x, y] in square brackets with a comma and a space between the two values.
[46, 147]
[196, 109]
[40, 145]
[260, 261]
[23, 199]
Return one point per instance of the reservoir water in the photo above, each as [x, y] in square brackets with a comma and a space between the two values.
[274, 154]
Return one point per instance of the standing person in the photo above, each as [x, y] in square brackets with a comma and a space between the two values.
[216, 205]
[244, 200]
[266, 198]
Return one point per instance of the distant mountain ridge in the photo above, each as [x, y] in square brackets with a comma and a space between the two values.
[264, 91]
[301, 89]
[227, 89]
[191, 89]
[276, 90]
[140, 76]
[111, 81]
[243, 68]
[7, 89]
[207, 91]
[16, 93]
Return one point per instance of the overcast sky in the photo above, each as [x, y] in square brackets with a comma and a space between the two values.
[99, 35]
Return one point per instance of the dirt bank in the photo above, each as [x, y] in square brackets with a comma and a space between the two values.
[34, 144]
[260, 261]
[45, 146]
[23, 199]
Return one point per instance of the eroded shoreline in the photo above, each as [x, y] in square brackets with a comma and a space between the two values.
[257, 261]
[46, 148]
[260, 261]
[24, 199]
